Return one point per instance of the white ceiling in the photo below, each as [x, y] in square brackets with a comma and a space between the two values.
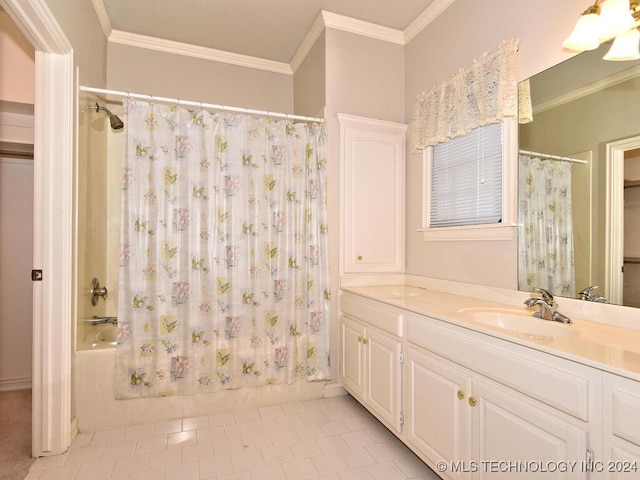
[272, 30]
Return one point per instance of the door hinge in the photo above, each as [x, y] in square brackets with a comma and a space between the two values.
[36, 275]
[401, 358]
[402, 419]
[589, 461]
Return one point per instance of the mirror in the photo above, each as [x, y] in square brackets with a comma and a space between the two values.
[586, 108]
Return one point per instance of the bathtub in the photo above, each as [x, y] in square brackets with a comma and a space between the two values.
[95, 407]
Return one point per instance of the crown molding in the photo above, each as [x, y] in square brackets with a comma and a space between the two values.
[587, 89]
[425, 18]
[205, 53]
[324, 20]
[360, 27]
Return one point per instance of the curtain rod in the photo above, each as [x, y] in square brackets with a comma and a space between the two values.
[553, 157]
[153, 98]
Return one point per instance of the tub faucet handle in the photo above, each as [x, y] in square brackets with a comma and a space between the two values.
[97, 291]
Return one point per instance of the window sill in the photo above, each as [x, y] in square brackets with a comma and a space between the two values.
[470, 233]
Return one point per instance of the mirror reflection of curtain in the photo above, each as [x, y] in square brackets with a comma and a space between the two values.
[545, 218]
[224, 278]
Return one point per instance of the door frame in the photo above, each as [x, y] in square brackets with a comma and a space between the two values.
[53, 224]
[614, 217]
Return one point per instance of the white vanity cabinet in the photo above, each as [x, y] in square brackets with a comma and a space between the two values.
[488, 409]
[372, 192]
[371, 356]
[621, 421]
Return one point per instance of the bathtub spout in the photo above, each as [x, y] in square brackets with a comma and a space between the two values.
[96, 320]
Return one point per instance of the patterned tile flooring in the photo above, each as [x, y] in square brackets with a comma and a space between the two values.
[330, 439]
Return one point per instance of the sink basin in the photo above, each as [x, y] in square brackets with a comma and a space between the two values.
[518, 321]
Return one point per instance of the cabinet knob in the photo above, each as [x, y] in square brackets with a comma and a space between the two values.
[365, 341]
[472, 401]
[359, 257]
[359, 338]
[460, 395]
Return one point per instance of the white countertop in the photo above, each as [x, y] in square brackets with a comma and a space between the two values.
[607, 347]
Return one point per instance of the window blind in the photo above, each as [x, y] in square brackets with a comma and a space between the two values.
[466, 179]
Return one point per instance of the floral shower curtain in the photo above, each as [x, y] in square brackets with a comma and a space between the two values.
[224, 267]
[546, 222]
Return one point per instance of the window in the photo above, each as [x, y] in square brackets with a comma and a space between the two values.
[464, 185]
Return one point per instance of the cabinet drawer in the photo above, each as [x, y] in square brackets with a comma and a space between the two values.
[373, 313]
[554, 381]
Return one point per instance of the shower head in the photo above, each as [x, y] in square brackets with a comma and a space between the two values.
[114, 120]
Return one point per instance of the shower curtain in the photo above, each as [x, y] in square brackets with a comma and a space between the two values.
[546, 226]
[224, 277]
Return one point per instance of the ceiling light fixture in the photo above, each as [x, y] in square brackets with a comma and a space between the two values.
[604, 20]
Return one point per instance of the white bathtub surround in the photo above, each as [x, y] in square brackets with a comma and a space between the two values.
[332, 438]
[96, 407]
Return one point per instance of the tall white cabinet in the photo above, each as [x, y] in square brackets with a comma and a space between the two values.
[372, 188]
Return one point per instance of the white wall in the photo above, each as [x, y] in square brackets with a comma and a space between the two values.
[461, 34]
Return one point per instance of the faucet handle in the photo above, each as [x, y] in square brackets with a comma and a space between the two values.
[546, 294]
[587, 292]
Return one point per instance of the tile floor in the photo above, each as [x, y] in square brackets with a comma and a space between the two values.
[329, 439]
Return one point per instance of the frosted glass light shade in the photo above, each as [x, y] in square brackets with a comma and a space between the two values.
[615, 18]
[584, 35]
[625, 47]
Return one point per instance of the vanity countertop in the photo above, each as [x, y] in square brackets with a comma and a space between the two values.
[606, 347]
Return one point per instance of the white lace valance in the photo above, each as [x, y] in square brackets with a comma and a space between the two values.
[483, 94]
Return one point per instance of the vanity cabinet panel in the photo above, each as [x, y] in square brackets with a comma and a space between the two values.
[352, 356]
[372, 179]
[371, 369]
[621, 422]
[509, 428]
[562, 384]
[477, 426]
[437, 415]
[383, 390]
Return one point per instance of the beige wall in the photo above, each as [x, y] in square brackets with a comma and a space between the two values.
[137, 70]
[80, 24]
[17, 63]
[309, 82]
[462, 33]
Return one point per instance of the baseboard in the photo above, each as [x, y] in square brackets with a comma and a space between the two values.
[333, 390]
[20, 383]
[73, 430]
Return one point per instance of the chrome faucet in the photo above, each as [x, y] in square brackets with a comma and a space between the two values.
[587, 294]
[548, 306]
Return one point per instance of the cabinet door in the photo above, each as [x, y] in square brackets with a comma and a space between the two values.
[373, 192]
[384, 372]
[352, 369]
[621, 426]
[516, 433]
[437, 416]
